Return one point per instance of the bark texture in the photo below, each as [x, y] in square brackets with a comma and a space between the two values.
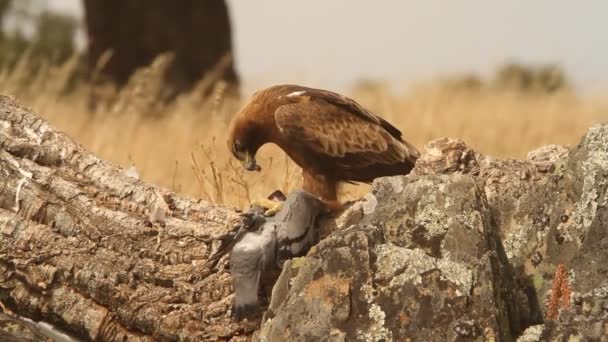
[85, 246]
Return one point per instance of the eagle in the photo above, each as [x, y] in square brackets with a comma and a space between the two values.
[330, 136]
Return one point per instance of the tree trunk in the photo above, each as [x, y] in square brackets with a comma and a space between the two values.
[87, 247]
[197, 33]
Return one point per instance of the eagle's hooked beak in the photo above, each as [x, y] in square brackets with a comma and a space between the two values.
[249, 162]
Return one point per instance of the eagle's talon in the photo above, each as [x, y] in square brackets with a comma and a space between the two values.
[272, 207]
[275, 209]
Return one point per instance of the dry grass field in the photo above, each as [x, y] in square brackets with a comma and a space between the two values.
[184, 148]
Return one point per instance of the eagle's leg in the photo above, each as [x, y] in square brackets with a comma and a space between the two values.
[334, 206]
[272, 207]
[325, 188]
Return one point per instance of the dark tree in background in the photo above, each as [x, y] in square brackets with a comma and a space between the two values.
[51, 41]
[197, 32]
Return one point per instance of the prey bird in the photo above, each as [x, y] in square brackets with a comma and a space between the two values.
[259, 246]
[330, 136]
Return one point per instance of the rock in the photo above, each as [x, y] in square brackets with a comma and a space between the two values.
[423, 264]
[464, 248]
[447, 155]
[547, 156]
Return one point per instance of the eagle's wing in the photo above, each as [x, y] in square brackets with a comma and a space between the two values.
[335, 126]
[352, 107]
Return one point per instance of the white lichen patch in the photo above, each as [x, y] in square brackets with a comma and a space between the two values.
[532, 334]
[586, 208]
[515, 241]
[601, 292]
[434, 204]
[431, 216]
[367, 290]
[377, 331]
[470, 219]
[392, 260]
[596, 145]
[458, 274]
[401, 265]
[438, 208]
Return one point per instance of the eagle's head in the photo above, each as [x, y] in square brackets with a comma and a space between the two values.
[254, 125]
[244, 139]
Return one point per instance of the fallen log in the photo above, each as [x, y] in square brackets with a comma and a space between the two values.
[87, 247]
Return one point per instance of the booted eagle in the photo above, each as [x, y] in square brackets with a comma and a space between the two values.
[331, 137]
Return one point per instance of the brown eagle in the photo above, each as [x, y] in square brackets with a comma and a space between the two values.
[331, 137]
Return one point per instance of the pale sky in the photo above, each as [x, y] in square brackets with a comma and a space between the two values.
[329, 43]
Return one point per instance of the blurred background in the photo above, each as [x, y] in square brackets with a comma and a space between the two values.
[153, 84]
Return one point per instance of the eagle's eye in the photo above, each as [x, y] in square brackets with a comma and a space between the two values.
[238, 147]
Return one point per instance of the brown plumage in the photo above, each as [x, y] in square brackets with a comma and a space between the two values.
[331, 137]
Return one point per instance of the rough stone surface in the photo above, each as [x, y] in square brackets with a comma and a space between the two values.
[423, 264]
